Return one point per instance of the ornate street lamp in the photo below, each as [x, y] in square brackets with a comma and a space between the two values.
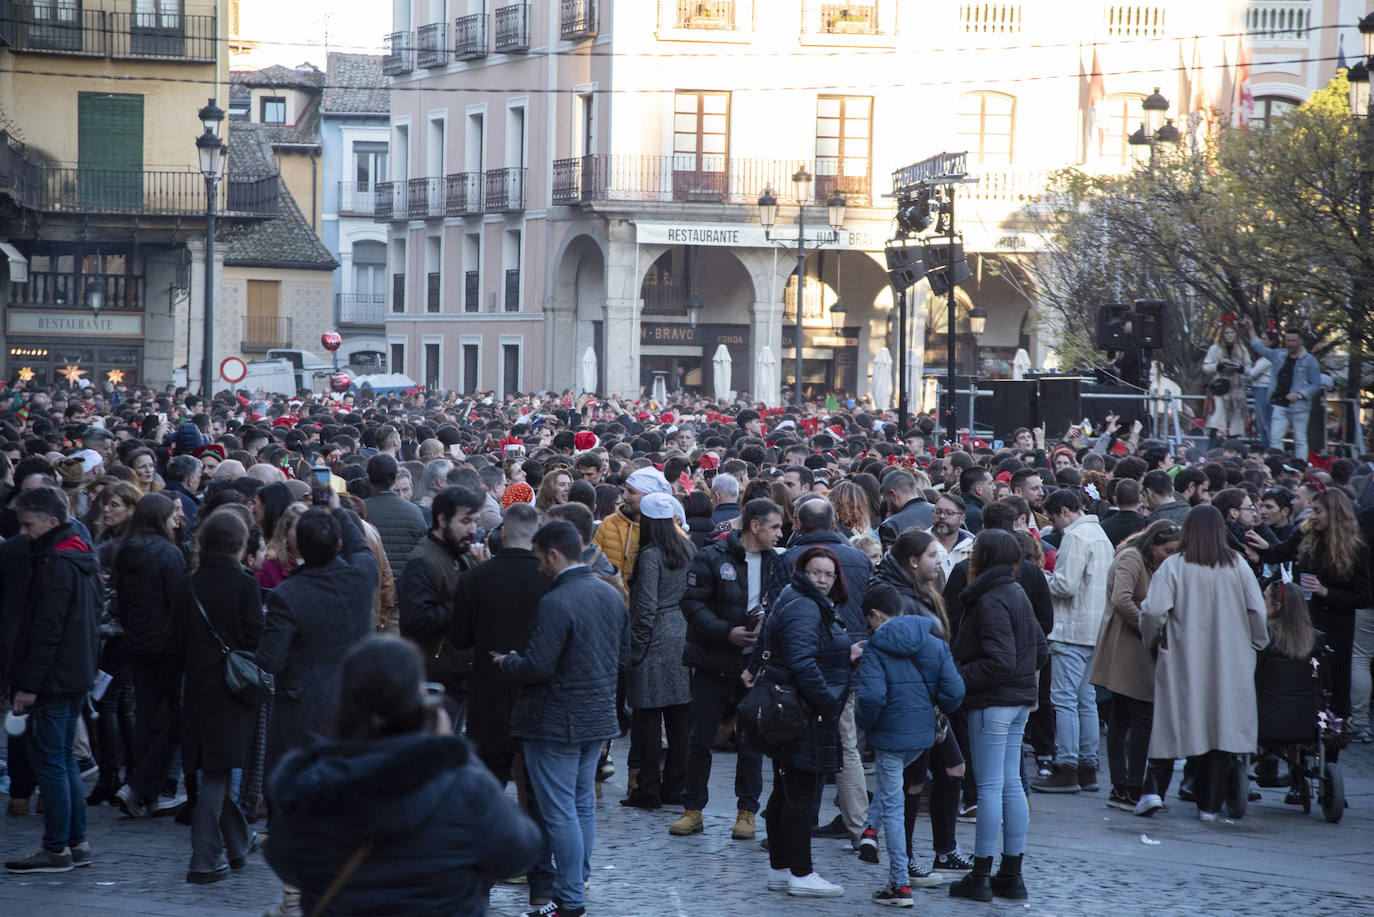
[211, 152]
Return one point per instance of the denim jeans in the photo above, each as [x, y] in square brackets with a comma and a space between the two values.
[1294, 415]
[1360, 659]
[886, 811]
[710, 696]
[1075, 705]
[564, 777]
[52, 734]
[1263, 413]
[218, 829]
[995, 736]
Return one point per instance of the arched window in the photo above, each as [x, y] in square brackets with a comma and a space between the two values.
[986, 121]
[1123, 114]
[1266, 107]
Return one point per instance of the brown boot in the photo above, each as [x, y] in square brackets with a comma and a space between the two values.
[744, 826]
[19, 806]
[689, 823]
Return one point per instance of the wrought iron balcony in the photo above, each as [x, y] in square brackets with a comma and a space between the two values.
[400, 54]
[697, 179]
[66, 28]
[513, 290]
[431, 45]
[705, 14]
[505, 189]
[398, 292]
[842, 18]
[463, 194]
[77, 190]
[361, 308]
[472, 297]
[470, 36]
[391, 202]
[425, 198]
[264, 332]
[432, 284]
[513, 28]
[576, 19]
[357, 197]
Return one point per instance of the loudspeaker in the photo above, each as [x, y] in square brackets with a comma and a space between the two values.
[938, 259]
[1059, 404]
[1013, 404]
[1150, 325]
[904, 267]
[1110, 320]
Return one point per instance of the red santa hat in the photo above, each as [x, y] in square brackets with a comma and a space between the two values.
[708, 462]
[584, 440]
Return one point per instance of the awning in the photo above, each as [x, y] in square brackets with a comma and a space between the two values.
[19, 265]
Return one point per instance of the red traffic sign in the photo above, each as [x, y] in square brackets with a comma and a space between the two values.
[233, 370]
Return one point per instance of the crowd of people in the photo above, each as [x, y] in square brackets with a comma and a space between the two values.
[447, 595]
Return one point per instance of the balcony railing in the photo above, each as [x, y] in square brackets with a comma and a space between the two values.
[513, 290]
[1278, 22]
[1012, 187]
[20, 177]
[470, 36]
[505, 189]
[666, 296]
[463, 194]
[399, 56]
[705, 14]
[398, 292]
[264, 332]
[513, 28]
[985, 18]
[425, 198]
[576, 19]
[361, 308]
[75, 190]
[844, 18]
[694, 179]
[431, 45]
[66, 28]
[357, 197]
[472, 297]
[51, 289]
[432, 291]
[391, 201]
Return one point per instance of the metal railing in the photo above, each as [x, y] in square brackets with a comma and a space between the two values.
[357, 197]
[432, 283]
[1008, 186]
[19, 177]
[1272, 22]
[431, 45]
[472, 296]
[470, 36]
[991, 18]
[398, 292]
[463, 194]
[77, 190]
[391, 201]
[505, 189]
[264, 332]
[513, 289]
[425, 198]
[699, 179]
[48, 288]
[667, 296]
[66, 28]
[400, 54]
[576, 19]
[361, 308]
[513, 27]
[843, 18]
[705, 14]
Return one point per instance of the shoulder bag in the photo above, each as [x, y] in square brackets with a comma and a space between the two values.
[941, 718]
[244, 678]
[771, 716]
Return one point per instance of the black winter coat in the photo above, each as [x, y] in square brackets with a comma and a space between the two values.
[809, 650]
[146, 571]
[890, 571]
[442, 832]
[1031, 579]
[59, 634]
[400, 523]
[424, 592]
[715, 600]
[999, 645]
[216, 727]
[493, 611]
[917, 513]
[1343, 594]
[854, 565]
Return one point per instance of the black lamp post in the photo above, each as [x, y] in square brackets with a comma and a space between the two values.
[768, 215]
[95, 295]
[211, 151]
[1361, 106]
[1156, 128]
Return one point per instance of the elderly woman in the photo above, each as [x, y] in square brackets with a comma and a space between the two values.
[1205, 615]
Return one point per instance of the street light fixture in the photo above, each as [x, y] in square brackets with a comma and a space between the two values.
[1156, 128]
[211, 151]
[977, 320]
[95, 295]
[1358, 76]
[838, 313]
[694, 307]
[1155, 106]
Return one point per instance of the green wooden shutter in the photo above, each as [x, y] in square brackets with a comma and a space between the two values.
[110, 151]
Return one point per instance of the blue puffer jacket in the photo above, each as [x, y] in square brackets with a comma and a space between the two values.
[854, 564]
[442, 832]
[568, 672]
[904, 664]
[809, 649]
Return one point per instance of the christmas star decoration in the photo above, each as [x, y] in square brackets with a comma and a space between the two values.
[26, 374]
[72, 373]
[116, 376]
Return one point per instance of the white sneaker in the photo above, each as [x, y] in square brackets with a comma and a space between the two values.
[777, 879]
[1206, 816]
[1149, 804]
[813, 886]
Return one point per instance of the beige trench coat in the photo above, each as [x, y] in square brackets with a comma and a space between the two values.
[1121, 663]
[1207, 623]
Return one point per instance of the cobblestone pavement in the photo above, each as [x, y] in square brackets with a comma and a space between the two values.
[1083, 859]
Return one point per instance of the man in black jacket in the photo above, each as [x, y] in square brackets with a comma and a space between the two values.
[907, 507]
[1126, 521]
[726, 588]
[54, 669]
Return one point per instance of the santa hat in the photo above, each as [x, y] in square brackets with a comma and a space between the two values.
[708, 462]
[511, 444]
[213, 449]
[836, 431]
[584, 440]
[286, 420]
[665, 417]
[517, 493]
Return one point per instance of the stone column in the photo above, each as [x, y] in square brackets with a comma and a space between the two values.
[623, 306]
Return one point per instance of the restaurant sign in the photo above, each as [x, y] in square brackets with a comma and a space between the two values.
[73, 324]
[750, 235]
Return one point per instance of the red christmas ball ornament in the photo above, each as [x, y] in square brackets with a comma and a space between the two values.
[340, 382]
[331, 341]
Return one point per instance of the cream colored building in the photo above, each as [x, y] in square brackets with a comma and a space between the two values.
[570, 174]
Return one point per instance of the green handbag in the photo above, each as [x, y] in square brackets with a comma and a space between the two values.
[244, 678]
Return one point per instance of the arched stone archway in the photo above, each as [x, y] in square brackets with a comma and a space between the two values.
[575, 306]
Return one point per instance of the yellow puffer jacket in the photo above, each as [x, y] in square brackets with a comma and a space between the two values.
[618, 538]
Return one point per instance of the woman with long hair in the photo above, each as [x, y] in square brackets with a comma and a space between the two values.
[395, 804]
[147, 566]
[270, 501]
[1204, 614]
[779, 495]
[1226, 362]
[851, 509]
[143, 463]
[999, 650]
[869, 485]
[553, 490]
[607, 498]
[1331, 562]
[659, 686]
[809, 651]
[282, 560]
[1123, 666]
